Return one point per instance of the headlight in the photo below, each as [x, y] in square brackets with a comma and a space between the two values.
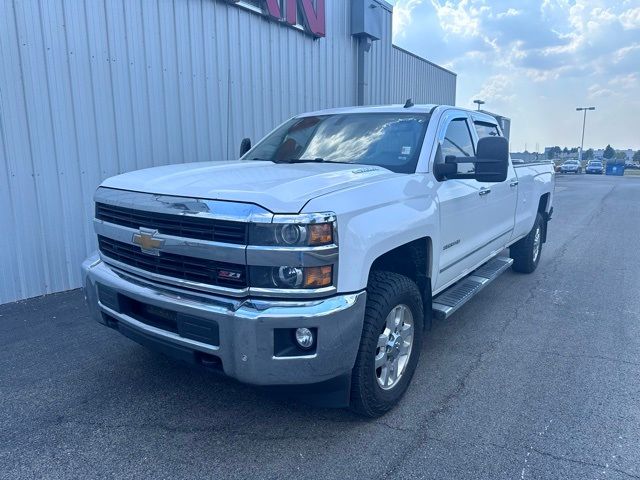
[291, 277]
[294, 231]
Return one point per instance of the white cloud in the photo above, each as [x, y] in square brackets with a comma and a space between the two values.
[631, 18]
[402, 16]
[496, 90]
[597, 91]
[512, 12]
[628, 81]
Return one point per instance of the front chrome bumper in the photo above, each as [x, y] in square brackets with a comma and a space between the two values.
[246, 327]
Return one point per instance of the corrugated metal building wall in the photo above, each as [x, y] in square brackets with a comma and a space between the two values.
[394, 74]
[436, 85]
[93, 88]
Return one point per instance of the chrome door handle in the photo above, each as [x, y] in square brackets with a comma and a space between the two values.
[484, 191]
[514, 183]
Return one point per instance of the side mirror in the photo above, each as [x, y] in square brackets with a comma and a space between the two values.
[492, 159]
[442, 171]
[245, 146]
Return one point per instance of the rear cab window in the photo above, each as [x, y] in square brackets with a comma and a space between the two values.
[485, 129]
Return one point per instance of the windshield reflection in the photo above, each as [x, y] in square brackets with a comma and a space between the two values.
[389, 140]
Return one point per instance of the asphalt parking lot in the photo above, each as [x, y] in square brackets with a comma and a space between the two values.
[537, 377]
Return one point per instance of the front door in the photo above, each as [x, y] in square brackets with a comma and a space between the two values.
[461, 206]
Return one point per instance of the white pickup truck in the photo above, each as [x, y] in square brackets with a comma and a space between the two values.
[318, 259]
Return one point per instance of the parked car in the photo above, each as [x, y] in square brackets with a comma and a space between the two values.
[322, 254]
[594, 167]
[571, 166]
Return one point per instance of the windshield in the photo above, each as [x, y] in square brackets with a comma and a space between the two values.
[595, 164]
[389, 140]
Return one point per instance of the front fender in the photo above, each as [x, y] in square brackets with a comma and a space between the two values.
[375, 219]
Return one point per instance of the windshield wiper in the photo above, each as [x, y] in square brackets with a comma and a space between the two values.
[300, 160]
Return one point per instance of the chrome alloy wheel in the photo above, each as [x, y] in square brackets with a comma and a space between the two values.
[536, 244]
[394, 347]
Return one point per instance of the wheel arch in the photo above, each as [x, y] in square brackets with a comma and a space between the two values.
[414, 260]
[545, 211]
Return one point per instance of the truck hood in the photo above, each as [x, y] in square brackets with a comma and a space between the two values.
[280, 188]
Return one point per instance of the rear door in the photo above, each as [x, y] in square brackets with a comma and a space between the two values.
[500, 199]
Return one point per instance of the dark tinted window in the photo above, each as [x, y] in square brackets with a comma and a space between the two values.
[486, 130]
[458, 143]
[389, 140]
[457, 140]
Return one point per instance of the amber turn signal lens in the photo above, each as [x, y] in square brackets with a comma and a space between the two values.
[320, 234]
[318, 277]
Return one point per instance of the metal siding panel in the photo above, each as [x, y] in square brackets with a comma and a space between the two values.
[138, 85]
[213, 81]
[43, 154]
[68, 174]
[187, 82]
[424, 82]
[20, 188]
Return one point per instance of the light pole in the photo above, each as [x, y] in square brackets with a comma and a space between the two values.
[479, 102]
[584, 121]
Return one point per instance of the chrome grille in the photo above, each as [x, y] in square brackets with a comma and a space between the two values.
[176, 225]
[192, 269]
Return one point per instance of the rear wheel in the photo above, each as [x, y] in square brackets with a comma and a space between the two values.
[526, 252]
[390, 344]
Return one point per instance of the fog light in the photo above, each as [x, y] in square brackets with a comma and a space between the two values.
[304, 337]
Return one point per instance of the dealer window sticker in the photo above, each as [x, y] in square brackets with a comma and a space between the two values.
[406, 151]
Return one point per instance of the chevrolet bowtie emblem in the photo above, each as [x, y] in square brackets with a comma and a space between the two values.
[145, 238]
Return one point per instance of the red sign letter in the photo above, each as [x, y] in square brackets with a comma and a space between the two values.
[291, 10]
[273, 8]
[314, 18]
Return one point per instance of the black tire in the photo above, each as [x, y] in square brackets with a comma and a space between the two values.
[385, 291]
[522, 252]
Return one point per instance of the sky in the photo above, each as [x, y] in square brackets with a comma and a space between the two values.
[535, 62]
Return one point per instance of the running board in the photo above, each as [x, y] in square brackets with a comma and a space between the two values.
[447, 302]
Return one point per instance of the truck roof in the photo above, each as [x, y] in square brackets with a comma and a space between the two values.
[426, 108]
[398, 108]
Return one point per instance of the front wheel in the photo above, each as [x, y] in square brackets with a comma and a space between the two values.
[526, 252]
[390, 344]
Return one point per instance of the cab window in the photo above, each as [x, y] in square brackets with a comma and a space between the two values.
[458, 143]
[486, 130]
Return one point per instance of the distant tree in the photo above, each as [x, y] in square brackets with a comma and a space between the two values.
[621, 155]
[588, 154]
[574, 150]
[636, 156]
[565, 150]
[553, 152]
[609, 152]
